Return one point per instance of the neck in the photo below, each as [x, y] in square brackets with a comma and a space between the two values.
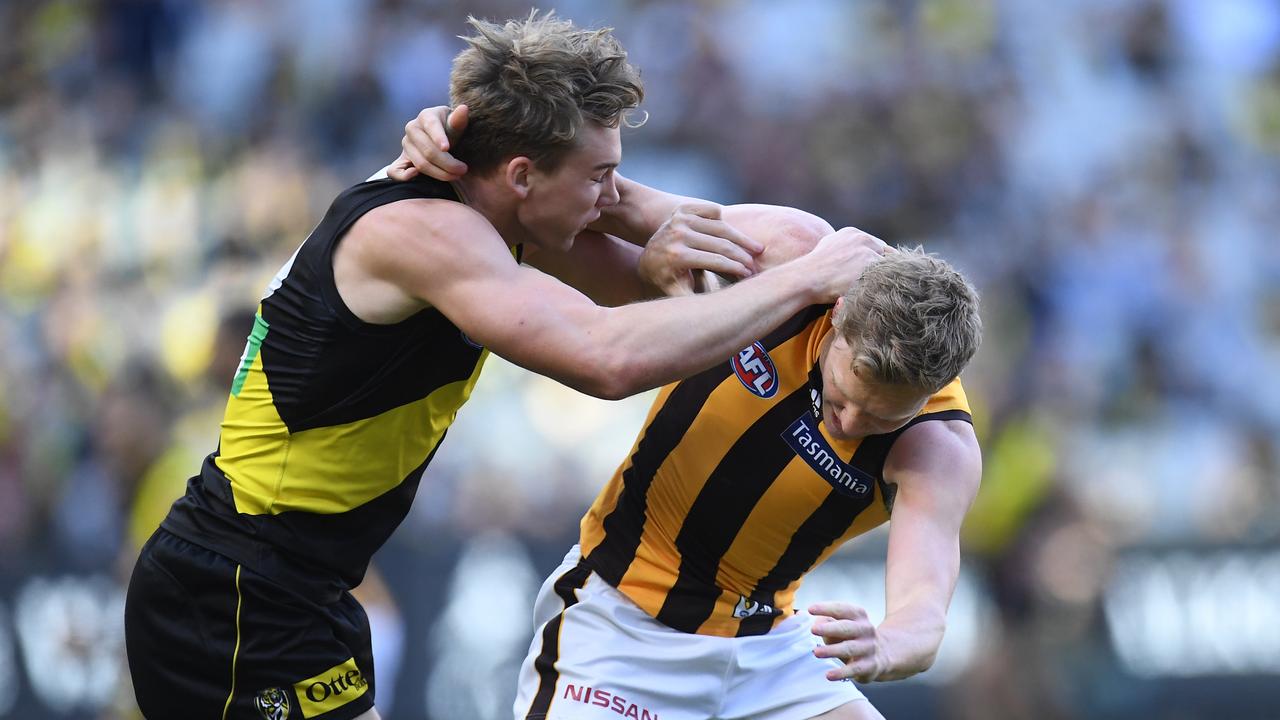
[485, 197]
[824, 346]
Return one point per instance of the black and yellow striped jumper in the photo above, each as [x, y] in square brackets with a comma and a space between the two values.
[329, 426]
[734, 491]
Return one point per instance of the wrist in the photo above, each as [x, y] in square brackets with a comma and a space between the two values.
[797, 277]
[901, 654]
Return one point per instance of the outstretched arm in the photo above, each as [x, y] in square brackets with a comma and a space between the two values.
[936, 467]
[442, 254]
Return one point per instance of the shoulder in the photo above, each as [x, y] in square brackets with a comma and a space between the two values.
[938, 453]
[425, 230]
[419, 217]
[786, 232]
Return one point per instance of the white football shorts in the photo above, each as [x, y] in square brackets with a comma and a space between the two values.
[595, 655]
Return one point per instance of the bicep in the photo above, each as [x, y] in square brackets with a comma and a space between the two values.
[524, 315]
[457, 263]
[936, 467]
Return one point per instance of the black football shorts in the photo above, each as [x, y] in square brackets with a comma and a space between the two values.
[208, 638]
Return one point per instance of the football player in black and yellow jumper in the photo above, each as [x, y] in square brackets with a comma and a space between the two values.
[371, 337]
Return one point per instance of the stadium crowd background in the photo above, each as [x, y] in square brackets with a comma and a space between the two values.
[1107, 173]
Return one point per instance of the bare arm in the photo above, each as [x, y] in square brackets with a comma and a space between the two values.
[936, 467]
[783, 234]
[443, 254]
[694, 238]
[600, 266]
[682, 234]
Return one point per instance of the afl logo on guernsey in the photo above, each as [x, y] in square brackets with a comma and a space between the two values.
[756, 370]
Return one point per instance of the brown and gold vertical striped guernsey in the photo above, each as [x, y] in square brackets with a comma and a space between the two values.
[734, 491]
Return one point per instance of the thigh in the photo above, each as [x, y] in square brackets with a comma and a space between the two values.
[777, 677]
[856, 710]
[596, 656]
[208, 638]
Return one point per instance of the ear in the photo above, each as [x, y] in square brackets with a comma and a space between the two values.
[839, 310]
[517, 175]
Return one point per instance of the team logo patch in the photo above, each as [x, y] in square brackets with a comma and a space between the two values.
[813, 448]
[272, 704]
[756, 371]
[747, 607]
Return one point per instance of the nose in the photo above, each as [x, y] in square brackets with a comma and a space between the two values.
[848, 417]
[608, 194]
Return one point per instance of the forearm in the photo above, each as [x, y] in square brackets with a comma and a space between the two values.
[647, 345]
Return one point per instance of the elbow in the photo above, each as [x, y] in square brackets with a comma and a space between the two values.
[614, 376]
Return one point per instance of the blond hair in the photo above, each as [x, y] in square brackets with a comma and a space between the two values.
[531, 84]
[911, 320]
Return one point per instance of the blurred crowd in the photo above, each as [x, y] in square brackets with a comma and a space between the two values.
[1107, 174]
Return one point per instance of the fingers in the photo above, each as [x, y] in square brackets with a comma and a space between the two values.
[714, 262]
[837, 610]
[433, 120]
[659, 264]
[414, 148]
[862, 669]
[709, 236]
[848, 636]
[847, 650]
[834, 631]
[426, 142]
[714, 228]
[457, 122]
[706, 217]
[401, 169]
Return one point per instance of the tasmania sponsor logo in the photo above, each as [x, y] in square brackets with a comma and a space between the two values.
[747, 607]
[756, 371]
[813, 448]
[609, 701]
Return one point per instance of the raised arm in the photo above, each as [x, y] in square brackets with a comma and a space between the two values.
[781, 234]
[680, 234]
[429, 252]
[700, 246]
[935, 467]
[614, 272]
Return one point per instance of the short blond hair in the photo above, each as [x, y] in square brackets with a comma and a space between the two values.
[911, 320]
[530, 84]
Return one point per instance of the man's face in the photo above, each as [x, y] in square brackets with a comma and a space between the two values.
[562, 202]
[854, 405]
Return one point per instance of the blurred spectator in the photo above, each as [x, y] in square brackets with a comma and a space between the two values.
[1105, 171]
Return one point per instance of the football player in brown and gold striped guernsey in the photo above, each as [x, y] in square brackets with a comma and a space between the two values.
[747, 476]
